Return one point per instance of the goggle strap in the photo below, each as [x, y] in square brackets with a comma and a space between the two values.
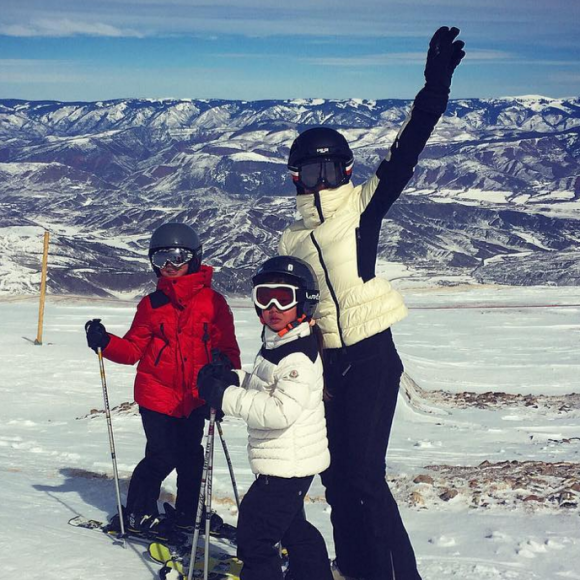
[292, 325]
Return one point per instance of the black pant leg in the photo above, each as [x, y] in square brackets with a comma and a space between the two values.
[346, 516]
[159, 461]
[307, 553]
[384, 526]
[267, 513]
[366, 398]
[190, 457]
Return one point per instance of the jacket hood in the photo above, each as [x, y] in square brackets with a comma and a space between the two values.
[182, 290]
[331, 200]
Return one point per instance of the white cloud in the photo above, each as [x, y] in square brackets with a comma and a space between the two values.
[65, 27]
[369, 59]
[400, 58]
[566, 78]
[33, 71]
[487, 20]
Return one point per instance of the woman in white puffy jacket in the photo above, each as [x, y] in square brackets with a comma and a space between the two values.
[281, 401]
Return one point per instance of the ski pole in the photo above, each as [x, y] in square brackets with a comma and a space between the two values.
[216, 357]
[230, 466]
[208, 494]
[111, 442]
[201, 502]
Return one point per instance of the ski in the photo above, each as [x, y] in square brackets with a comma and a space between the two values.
[219, 529]
[180, 541]
[222, 565]
[89, 524]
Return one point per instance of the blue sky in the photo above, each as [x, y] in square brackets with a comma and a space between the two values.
[256, 49]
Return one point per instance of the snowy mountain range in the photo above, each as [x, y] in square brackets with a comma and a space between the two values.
[495, 198]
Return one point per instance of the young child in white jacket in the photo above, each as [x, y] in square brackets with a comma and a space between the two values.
[281, 401]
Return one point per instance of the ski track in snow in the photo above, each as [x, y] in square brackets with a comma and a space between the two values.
[55, 459]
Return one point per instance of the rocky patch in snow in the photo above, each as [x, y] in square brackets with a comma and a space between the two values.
[552, 404]
[534, 485]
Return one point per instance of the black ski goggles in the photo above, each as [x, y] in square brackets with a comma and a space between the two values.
[283, 296]
[330, 172]
[174, 256]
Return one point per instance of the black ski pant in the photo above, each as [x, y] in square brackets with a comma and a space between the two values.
[273, 511]
[172, 443]
[370, 538]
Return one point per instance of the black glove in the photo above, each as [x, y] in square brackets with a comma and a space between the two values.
[212, 381]
[219, 414]
[97, 336]
[445, 53]
[220, 359]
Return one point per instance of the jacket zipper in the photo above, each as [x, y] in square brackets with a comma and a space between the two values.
[205, 339]
[164, 346]
[318, 205]
[330, 288]
[358, 251]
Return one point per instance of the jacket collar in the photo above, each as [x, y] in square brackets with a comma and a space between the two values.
[315, 211]
[181, 290]
[273, 340]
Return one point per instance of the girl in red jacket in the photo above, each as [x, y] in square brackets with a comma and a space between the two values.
[172, 336]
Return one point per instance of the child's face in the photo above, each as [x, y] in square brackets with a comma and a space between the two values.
[170, 271]
[278, 319]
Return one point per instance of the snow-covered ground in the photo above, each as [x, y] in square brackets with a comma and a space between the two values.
[488, 484]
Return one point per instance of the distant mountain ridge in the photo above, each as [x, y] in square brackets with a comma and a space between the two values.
[495, 198]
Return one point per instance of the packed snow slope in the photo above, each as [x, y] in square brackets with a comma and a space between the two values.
[484, 457]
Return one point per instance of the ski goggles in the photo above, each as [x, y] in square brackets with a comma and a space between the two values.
[283, 296]
[330, 172]
[174, 256]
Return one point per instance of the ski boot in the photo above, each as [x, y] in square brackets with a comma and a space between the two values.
[185, 523]
[134, 524]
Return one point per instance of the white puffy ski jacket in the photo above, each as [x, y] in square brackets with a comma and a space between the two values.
[281, 401]
[351, 309]
[339, 232]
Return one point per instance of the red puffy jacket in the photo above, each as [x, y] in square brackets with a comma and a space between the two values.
[171, 336]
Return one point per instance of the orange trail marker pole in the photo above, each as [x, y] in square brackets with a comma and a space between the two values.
[38, 340]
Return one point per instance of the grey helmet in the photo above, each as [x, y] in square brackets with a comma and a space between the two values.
[177, 235]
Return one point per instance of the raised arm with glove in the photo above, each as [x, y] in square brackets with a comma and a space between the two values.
[444, 55]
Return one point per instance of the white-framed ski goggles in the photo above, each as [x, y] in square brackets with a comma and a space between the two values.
[283, 296]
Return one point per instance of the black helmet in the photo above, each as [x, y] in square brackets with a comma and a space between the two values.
[177, 235]
[294, 271]
[319, 143]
